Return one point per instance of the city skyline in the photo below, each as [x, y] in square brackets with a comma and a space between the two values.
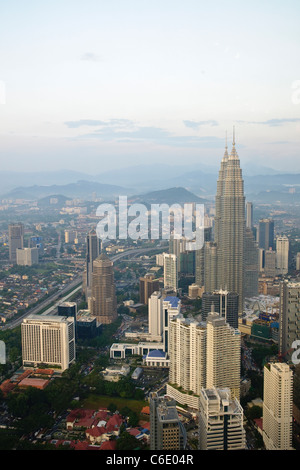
[97, 87]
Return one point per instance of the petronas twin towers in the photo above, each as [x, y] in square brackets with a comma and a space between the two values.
[230, 226]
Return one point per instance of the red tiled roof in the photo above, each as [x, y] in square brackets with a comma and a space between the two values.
[108, 445]
[146, 410]
[134, 432]
[96, 431]
[114, 423]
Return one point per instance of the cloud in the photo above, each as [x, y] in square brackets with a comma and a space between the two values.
[126, 131]
[197, 124]
[91, 57]
[96, 123]
[273, 122]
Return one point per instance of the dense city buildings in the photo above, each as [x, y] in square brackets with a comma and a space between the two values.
[278, 406]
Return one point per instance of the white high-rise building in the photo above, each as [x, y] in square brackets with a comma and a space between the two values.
[170, 272]
[27, 256]
[223, 350]
[282, 254]
[155, 315]
[220, 421]
[171, 306]
[48, 340]
[278, 406]
[187, 352]
[298, 262]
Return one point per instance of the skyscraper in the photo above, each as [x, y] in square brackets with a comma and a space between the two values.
[282, 254]
[211, 266]
[225, 303]
[278, 406]
[148, 285]
[266, 234]
[187, 351]
[170, 271]
[200, 259]
[166, 430]
[223, 349]
[249, 215]
[103, 298]
[251, 265]
[93, 250]
[48, 340]
[220, 421]
[230, 226]
[289, 317]
[15, 240]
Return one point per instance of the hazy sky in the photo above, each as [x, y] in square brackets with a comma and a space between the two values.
[95, 84]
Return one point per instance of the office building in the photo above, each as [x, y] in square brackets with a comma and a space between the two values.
[166, 430]
[266, 234]
[282, 255]
[249, 215]
[289, 317]
[103, 297]
[170, 271]
[223, 355]
[278, 407]
[155, 315]
[15, 240]
[48, 340]
[220, 421]
[270, 263]
[148, 285]
[171, 307]
[200, 258]
[68, 309]
[86, 325]
[251, 265]
[70, 236]
[27, 256]
[225, 303]
[210, 266]
[298, 262]
[93, 250]
[37, 242]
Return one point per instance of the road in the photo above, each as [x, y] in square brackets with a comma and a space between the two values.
[72, 287]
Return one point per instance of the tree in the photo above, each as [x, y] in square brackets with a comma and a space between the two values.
[112, 407]
[128, 442]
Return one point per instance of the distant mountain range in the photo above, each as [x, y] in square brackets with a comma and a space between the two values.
[139, 180]
[177, 195]
[85, 190]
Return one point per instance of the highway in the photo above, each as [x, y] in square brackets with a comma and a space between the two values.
[70, 289]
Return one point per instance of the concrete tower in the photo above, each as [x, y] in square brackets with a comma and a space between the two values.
[103, 300]
[230, 226]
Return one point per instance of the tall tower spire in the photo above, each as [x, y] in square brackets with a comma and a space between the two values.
[233, 155]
